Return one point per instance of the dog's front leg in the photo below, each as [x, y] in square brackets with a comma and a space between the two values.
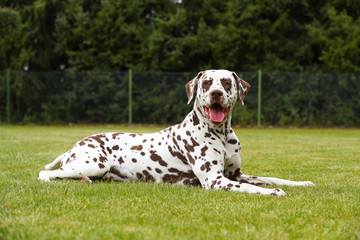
[211, 176]
[271, 181]
[232, 171]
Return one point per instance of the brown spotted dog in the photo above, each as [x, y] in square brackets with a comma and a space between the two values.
[202, 150]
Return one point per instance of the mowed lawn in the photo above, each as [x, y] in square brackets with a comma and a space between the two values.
[330, 158]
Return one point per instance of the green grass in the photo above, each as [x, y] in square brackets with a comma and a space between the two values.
[104, 210]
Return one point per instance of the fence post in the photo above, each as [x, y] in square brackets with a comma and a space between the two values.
[259, 98]
[8, 104]
[130, 96]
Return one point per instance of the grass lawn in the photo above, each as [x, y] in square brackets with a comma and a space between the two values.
[105, 210]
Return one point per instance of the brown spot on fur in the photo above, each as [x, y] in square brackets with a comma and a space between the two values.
[114, 135]
[97, 138]
[188, 178]
[148, 177]
[191, 148]
[138, 147]
[217, 151]
[169, 179]
[173, 170]
[203, 151]
[178, 155]
[195, 119]
[232, 141]
[213, 184]
[157, 158]
[191, 159]
[175, 142]
[139, 176]
[205, 166]
[195, 144]
[101, 165]
[109, 150]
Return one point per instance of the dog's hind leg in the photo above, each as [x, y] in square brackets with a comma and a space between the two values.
[48, 175]
[75, 170]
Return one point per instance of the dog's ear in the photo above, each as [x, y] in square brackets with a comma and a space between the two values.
[242, 86]
[191, 86]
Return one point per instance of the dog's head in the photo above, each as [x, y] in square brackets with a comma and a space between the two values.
[216, 93]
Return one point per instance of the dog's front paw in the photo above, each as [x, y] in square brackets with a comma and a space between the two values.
[278, 192]
[306, 184]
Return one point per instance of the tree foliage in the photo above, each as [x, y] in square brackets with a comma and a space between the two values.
[10, 27]
[162, 35]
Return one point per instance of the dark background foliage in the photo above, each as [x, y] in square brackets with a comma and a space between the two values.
[161, 35]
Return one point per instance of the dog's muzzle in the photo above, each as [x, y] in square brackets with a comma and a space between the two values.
[216, 112]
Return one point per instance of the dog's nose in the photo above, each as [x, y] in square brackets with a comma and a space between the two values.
[216, 94]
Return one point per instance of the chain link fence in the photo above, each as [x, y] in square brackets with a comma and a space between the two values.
[287, 99]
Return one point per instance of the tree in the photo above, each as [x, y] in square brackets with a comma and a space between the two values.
[336, 42]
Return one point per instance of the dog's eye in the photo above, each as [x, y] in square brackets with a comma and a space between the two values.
[226, 82]
[206, 83]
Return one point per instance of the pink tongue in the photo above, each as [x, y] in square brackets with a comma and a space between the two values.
[217, 114]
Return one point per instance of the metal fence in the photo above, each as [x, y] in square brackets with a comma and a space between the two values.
[297, 99]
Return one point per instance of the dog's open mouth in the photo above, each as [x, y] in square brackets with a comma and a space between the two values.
[216, 113]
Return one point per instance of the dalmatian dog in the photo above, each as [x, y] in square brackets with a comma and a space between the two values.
[203, 150]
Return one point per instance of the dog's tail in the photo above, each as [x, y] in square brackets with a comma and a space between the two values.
[56, 163]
